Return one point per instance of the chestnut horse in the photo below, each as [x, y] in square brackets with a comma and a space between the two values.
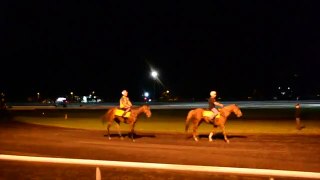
[115, 114]
[198, 115]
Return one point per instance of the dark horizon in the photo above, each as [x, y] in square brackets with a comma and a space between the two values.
[240, 49]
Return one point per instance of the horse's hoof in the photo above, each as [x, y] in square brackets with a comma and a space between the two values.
[121, 138]
[196, 140]
[210, 140]
[109, 138]
[228, 141]
[133, 140]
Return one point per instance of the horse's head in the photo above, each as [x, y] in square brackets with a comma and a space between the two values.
[236, 110]
[146, 110]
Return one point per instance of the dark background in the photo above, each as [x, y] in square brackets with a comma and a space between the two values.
[239, 48]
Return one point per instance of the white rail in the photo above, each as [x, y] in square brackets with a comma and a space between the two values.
[197, 168]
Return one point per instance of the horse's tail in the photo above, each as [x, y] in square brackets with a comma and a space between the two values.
[189, 117]
[103, 118]
[107, 115]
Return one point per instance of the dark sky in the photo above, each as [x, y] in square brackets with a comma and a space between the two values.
[235, 47]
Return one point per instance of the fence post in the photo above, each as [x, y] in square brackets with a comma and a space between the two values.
[298, 116]
[98, 173]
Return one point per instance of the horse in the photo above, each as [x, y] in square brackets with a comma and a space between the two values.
[199, 115]
[131, 117]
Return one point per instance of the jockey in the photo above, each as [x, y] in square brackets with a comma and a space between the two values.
[213, 103]
[125, 103]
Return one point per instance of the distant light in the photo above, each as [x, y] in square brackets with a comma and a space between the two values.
[154, 74]
[168, 91]
[146, 94]
[61, 99]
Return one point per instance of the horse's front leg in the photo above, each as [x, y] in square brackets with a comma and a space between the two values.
[224, 134]
[132, 131]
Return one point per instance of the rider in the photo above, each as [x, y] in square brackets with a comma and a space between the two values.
[213, 103]
[125, 103]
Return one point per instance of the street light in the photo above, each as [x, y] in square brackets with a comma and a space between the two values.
[154, 75]
[38, 96]
[71, 93]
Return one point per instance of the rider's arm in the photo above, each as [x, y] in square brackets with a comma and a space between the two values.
[126, 102]
[218, 104]
[122, 105]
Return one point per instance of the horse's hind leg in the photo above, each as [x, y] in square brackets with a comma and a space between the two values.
[119, 130]
[108, 129]
[195, 133]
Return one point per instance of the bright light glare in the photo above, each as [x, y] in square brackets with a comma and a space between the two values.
[154, 74]
[61, 99]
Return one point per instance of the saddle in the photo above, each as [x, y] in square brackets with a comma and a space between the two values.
[209, 114]
[119, 112]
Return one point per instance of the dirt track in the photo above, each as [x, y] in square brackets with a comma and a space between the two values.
[283, 152]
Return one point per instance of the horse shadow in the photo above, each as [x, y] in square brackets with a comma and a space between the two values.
[128, 135]
[218, 136]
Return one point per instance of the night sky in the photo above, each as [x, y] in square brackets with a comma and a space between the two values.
[239, 48]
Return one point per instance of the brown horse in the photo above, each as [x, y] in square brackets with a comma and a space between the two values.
[115, 114]
[200, 115]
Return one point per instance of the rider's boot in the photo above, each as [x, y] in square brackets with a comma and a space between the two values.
[214, 116]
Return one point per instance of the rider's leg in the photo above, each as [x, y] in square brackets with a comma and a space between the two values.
[125, 112]
[215, 112]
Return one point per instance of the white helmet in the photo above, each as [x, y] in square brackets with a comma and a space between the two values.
[213, 93]
[124, 92]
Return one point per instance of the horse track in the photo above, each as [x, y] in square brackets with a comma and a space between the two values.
[262, 151]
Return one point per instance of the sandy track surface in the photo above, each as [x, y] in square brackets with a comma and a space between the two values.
[282, 152]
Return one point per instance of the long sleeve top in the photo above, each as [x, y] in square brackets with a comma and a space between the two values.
[125, 102]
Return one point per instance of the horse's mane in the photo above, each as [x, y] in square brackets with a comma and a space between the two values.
[138, 107]
[227, 109]
[230, 106]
